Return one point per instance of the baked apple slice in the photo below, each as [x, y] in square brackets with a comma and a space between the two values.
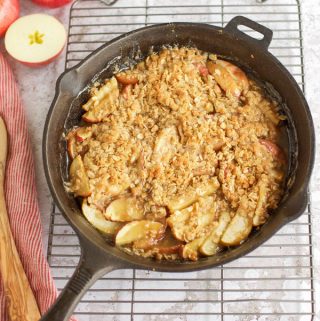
[139, 230]
[97, 219]
[229, 77]
[100, 93]
[78, 178]
[239, 227]
[107, 188]
[165, 144]
[182, 201]
[210, 245]
[74, 139]
[260, 214]
[101, 104]
[83, 133]
[124, 210]
[236, 73]
[274, 150]
[71, 144]
[36, 39]
[126, 78]
[169, 245]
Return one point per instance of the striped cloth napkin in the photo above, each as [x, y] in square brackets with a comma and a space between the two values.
[21, 195]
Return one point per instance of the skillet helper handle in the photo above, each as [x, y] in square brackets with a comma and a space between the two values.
[20, 301]
[234, 23]
[90, 268]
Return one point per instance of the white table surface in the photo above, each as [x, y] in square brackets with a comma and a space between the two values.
[37, 90]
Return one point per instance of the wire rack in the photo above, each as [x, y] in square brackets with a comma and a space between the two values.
[275, 282]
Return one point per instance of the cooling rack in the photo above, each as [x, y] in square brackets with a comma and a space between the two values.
[275, 282]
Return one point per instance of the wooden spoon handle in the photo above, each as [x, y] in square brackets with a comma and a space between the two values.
[20, 300]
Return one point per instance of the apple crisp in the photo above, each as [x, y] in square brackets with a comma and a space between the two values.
[178, 156]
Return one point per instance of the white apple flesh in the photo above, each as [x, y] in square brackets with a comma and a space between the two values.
[36, 39]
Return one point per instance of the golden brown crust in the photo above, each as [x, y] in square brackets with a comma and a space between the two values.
[172, 127]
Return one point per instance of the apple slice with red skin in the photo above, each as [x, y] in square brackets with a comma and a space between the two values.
[72, 143]
[74, 139]
[203, 70]
[126, 79]
[9, 12]
[78, 178]
[36, 39]
[274, 150]
[71, 146]
[83, 133]
[51, 3]
[229, 77]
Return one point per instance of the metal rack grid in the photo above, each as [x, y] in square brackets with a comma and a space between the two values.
[275, 282]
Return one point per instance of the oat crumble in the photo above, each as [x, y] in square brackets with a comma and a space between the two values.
[182, 137]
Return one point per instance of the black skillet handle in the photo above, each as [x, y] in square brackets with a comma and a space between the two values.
[234, 23]
[91, 267]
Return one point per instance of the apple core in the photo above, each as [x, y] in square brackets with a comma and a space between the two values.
[36, 38]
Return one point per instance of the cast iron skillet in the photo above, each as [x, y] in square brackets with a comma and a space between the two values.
[98, 257]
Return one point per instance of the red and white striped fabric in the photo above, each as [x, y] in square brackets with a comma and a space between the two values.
[21, 195]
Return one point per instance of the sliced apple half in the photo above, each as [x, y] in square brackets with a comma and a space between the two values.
[36, 39]
[78, 178]
[124, 210]
[9, 12]
[96, 218]
[139, 230]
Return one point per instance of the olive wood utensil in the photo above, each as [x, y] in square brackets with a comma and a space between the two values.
[20, 300]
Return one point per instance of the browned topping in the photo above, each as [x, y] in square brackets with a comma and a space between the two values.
[180, 139]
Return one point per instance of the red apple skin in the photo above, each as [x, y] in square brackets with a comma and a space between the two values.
[9, 12]
[51, 3]
[89, 120]
[42, 63]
